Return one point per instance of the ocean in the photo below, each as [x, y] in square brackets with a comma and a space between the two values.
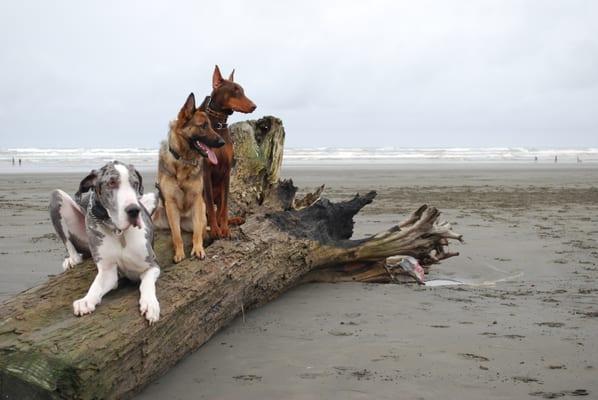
[83, 159]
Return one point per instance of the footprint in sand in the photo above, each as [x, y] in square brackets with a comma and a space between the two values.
[475, 357]
[556, 395]
[551, 324]
[335, 332]
[248, 378]
[525, 379]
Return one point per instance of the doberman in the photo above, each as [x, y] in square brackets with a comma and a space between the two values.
[227, 97]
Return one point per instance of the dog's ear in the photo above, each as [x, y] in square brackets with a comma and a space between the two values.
[188, 109]
[140, 178]
[99, 211]
[217, 78]
[87, 183]
[231, 77]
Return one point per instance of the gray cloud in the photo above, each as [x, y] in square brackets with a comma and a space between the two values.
[381, 73]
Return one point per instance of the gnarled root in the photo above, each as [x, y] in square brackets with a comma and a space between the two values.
[377, 259]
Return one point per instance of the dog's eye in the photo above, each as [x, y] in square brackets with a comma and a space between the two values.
[204, 125]
[135, 185]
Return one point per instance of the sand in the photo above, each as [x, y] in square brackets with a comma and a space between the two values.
[522, 326]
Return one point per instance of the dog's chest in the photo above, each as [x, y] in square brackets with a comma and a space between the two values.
[187, 192]
[129, 251]
[185, 173]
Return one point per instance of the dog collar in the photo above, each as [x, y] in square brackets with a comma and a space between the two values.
[220, 125]
[220, 116]
[119, 233]
[177, 156]
[121, 238]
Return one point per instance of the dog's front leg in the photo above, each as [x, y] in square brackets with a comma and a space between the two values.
[199, 227]
[174, 220]
[105, 281]
[148, 302]
[223, 207]
[209, 204]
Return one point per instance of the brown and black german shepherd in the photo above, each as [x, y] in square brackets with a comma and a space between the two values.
[227, 97]
[180, 177]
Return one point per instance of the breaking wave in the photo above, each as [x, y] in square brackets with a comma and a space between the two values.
[147, 158]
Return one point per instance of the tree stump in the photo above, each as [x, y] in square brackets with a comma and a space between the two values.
[48, 353]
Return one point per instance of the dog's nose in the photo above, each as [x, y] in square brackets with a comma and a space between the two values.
[132, 211]
[220, 142]
[253, 107]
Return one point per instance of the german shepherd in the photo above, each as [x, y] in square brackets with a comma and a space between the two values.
[180, 177]
[227, 97]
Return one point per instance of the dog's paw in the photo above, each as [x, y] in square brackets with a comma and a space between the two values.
[199, 253]
[83, 306]
[70, 262]
[179, 255]
[225, 232]
[215, 232]
[149, 308]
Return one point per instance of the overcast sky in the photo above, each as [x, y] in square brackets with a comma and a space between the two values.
[339, 73]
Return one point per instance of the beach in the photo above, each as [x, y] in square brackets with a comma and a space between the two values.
[520, 323]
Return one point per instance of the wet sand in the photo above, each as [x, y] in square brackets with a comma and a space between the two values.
[523, 326]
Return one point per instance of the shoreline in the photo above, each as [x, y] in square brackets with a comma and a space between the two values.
[336, 164]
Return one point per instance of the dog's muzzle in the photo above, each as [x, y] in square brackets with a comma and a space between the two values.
[133, 214]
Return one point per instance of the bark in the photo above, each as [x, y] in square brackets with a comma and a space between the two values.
[47, 352]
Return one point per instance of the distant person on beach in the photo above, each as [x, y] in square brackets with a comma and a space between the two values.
[536, 159]
[555, 159]
[19, 162]
[13, 161]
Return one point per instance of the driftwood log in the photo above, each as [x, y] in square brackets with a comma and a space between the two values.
[48, 353]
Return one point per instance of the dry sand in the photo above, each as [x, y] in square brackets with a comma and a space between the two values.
[524, 326]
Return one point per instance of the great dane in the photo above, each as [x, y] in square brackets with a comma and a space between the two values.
[109, 220]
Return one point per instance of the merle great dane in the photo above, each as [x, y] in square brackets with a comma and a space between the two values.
[109, 220]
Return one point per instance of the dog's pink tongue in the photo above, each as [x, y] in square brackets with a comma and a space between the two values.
[211, 156]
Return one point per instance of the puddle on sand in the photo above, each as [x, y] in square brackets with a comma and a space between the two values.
[442, 282]
[453, 282]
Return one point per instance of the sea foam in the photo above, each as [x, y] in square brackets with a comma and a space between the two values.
[147, 158]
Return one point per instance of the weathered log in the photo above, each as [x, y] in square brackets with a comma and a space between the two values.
[47, 352]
